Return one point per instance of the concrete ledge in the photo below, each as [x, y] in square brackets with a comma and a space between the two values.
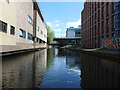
[20, 51]
[100, 53]
[9, 50]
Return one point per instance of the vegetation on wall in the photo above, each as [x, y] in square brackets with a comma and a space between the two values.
[50, 35]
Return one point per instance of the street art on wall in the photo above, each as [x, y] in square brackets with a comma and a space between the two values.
[113, 42]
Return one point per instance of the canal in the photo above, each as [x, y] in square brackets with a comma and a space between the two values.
[58, 68]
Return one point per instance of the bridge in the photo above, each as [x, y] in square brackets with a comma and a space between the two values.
[67, 41]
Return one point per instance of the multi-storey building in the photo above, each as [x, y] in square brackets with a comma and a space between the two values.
[40, 32]
[97, 23]
[19, 22]
[117, 18]
[73, 32]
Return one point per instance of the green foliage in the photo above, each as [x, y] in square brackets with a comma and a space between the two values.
[50, 35]
[50, 58]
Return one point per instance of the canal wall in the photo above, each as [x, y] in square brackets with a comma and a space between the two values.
[99, 52]
[14, 49]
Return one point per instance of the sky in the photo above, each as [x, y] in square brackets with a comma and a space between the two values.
[60, 15]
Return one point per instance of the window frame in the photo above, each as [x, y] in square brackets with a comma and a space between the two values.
[30, 38]
[30, 20]
[12, 30]
[23, 33]
[3, 26]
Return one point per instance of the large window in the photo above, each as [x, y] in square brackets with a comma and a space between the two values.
[30, 20]
[12, 30]
[3, 26]
[29, 36]
[22, 33]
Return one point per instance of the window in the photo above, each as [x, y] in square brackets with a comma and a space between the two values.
[107, 8]
[30, 20]
[12, 30]
[102, 27]
[29, 36]
[98, 5]
[112, 23]
[3, 26]
[98, 28]
[102, 12]
[98, 15]
[102, 3]
[107, 26]
[41, 32]
[112, 7]
[38, 28]
[22, 33]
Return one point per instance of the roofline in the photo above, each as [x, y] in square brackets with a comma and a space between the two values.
[36, 7]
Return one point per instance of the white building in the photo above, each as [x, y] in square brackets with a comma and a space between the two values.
[73, 32]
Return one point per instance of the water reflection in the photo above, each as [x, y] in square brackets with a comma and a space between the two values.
[50, 58]
[64, 71]
[24, 70]
[59, 68]
[97, 72]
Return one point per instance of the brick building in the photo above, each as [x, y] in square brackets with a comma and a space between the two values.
[97, 23]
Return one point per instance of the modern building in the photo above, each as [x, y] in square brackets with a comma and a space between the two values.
[73, 32]
[74, 35]
[117, 18]
[97, 23]
[40, 32]
[22, 26]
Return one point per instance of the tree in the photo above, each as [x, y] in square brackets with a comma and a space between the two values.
[50, 35]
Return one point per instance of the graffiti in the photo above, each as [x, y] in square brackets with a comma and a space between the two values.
[110, 42]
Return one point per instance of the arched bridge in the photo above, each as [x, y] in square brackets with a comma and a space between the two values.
[68, 41]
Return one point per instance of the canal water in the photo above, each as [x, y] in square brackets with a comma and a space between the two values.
[58, 68]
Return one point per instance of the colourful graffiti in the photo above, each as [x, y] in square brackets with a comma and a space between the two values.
[110, 43]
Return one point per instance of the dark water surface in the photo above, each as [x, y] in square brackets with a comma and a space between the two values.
[58, 68]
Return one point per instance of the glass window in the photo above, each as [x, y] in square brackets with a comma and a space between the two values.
[22, 33]
[12, 30]
[41, 32]
[3, 26]
[38, 28]
[29, 36]
[30, 20]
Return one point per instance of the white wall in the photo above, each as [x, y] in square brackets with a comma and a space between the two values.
[70, 33]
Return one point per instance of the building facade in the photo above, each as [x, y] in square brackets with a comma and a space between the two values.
[117, 18]
[73, 32]
[97, 23]
[18, 26]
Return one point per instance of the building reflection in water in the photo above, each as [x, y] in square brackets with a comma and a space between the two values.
[72, 60]
[24, 70]
[99, 73]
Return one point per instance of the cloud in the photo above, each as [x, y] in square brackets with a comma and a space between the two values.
[57, 21]
[73, 24]
[57, 30]
[57, 25]
[60, 35]
[49, 24]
